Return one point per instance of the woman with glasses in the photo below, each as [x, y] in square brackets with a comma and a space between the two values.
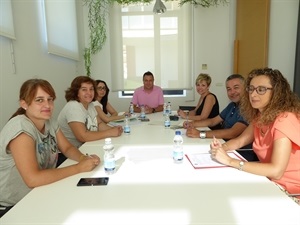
[105, 110]
[274, 112]
[79, 119]
[30, 143]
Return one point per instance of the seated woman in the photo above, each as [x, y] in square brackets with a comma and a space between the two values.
[275, 114]
[208, 105]
[105, 110]
[79, 119]
[29, 146]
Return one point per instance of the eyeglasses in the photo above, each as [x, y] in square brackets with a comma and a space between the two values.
[101, 88]
[261, 90]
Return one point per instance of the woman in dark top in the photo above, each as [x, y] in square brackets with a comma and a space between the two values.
[208, 105]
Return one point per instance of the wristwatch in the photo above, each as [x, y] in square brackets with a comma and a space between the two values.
[202, 134]
[153, 110]
[241, 165]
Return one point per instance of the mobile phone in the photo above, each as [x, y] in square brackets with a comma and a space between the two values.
[93, 181]
[174, 118]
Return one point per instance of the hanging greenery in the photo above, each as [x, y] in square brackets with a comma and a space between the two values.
[98, 14]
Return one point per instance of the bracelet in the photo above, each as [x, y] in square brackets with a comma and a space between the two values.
[241, 164]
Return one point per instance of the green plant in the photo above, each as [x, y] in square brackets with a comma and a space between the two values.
[97, 16]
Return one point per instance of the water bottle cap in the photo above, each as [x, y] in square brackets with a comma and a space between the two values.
[107, 140]
[177, 132]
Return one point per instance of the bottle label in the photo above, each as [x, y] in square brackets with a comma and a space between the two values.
[127, 129]
[178, 154]
[109, 165]
[131, 110]
[167, 123]
[143, 115]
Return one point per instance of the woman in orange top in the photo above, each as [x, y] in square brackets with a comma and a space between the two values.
[274, 112]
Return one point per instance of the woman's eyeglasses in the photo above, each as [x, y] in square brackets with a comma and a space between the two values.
[101, 88]
[261, 90]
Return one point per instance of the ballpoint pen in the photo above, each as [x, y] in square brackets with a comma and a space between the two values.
[88, 155]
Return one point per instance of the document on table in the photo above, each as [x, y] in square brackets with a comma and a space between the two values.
[204, 160]
[121, 122]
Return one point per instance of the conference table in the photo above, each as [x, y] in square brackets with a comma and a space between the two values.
[148, 188]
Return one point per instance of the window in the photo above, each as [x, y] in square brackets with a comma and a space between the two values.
[61, 28]
[143, 41]
[6, 20]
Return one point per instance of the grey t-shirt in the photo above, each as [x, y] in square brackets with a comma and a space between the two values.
[74, 111]
[12, 186]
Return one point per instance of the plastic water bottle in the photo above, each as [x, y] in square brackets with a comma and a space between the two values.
[169, 110]
[165, 109]
[143, 114]
[167, 121]
[109, 157]
[131, 108]
[126, 126]
[177, 147]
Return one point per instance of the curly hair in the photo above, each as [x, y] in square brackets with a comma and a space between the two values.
[282, 98]
[72, 92]
[104, 99]
[28, 92]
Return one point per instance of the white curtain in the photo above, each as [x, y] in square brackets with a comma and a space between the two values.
[61, 28]
[6, 20]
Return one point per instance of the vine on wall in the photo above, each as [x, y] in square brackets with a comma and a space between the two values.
[98, 14]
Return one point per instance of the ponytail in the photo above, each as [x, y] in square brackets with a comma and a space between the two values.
[20, 111]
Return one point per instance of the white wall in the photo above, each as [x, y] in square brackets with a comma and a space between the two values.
[213, 34]
[31, 60]
[283, 33]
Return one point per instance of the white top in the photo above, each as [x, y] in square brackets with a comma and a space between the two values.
[12, 186]
[74, 111]
[97, 103]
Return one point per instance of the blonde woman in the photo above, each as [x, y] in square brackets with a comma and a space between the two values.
[208, 105]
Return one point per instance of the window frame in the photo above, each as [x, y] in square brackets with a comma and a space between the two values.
[168, 91]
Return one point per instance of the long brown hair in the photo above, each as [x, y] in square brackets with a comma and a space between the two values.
[282, 98]
[28, 91]
[104, 99]
[72, 92]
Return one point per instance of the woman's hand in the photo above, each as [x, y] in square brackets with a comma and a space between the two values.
[181, 113]
[218, 153]
[88, 163]
[116, 131]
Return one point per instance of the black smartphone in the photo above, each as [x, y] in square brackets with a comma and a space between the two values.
[174, 118]
[93, 181]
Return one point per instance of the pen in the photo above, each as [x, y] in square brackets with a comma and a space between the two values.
[215, 141]
[88, 155]
[187, 116]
